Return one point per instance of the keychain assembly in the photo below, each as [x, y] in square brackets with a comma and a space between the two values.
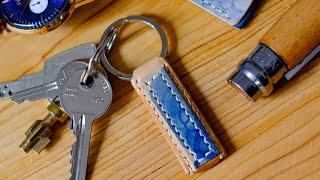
[178, 117]
[85, 94]
[45, 84]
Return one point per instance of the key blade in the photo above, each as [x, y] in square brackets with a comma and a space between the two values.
[52, 66]
[84, 103]
[8, 89]
[313, 55]
[49, 91]
[80, 150]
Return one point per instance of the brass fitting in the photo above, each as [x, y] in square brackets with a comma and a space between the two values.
[38, 134]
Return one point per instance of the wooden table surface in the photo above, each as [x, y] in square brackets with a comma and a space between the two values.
[277, 137]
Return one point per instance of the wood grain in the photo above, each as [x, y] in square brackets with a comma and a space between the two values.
[277, 137]
[296, 34]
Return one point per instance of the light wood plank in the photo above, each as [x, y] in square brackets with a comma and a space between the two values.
[276, 137]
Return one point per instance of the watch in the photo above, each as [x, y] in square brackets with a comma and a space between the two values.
[37, 16]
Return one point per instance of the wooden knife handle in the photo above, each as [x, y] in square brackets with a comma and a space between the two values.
[297, 32]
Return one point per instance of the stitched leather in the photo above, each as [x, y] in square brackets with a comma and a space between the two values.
[235, 12]
[176, 114]
[181, 119]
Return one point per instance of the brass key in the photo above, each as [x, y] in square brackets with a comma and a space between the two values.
[38, 134]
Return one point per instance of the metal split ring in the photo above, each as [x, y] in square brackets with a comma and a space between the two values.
[112, 33]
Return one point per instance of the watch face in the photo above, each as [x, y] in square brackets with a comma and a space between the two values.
[31, 14]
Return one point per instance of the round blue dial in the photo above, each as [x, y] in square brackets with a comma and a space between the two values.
[31, 14]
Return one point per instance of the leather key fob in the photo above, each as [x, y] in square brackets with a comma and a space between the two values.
[179, 119]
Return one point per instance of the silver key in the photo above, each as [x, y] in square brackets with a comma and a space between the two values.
[50, 90]
[84, 104]
[48, 75]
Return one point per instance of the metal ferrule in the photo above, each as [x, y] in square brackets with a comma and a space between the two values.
[257, 74]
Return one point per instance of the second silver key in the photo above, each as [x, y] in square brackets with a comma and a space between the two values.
[84, 104]
[49, 73]
[52, 89]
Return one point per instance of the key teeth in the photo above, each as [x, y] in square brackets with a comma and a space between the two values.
[72, 152]
[71, 161]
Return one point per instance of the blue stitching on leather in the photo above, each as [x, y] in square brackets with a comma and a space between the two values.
[165, 128]
[182, 120]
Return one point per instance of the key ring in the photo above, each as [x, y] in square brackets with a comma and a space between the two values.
[114, 28]
[106, 42]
